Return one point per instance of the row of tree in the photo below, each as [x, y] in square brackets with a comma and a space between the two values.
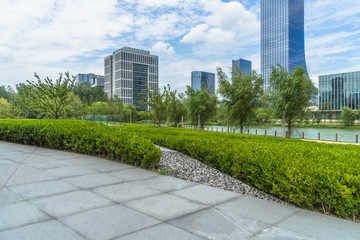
[241, 99]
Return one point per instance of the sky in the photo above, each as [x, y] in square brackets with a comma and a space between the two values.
[53, 36]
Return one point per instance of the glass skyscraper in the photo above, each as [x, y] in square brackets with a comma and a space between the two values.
[282, 35]
[203, 79]
[339, 90]
[243, 65]
[129, 72]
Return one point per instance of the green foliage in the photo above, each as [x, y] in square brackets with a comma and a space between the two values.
[291, 93]
[83, 137]
[176, 107]
[89, 94]
[5, 109]
[157, 101]
[241, 95]
[201, 104]
[348, 116]
[308, 174]
[51, 96]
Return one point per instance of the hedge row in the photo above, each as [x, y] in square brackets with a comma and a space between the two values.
[309, 174]
[82, 137]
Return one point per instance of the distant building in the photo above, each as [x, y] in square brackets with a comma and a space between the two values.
[91, 78]
[282, 36]
[129, 72]
[339, 90]
[243, 65]
[203, 79]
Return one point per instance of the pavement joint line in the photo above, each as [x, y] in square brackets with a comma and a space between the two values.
[216, 210]
[21, 163]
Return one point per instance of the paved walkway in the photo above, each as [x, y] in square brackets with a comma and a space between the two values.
[49, 194]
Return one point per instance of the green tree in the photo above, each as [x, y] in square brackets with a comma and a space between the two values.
[116, 106]
[241, 95]
[89, 94]
[129, 113]
[5, 108]
[291, 93]
[25, 103]
[51, 96]
[348, 116]
[175, 107]
[98, 108]
[157, 101]
[75, 108]
[201, 104]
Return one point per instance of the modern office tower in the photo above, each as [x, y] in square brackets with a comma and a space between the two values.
[339, 90]
[203, 79]
[129, 72]
[282, 35]
[243, 65]
[91, 78]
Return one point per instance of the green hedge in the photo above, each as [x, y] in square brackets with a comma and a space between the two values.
[309, 174]
[82, 137]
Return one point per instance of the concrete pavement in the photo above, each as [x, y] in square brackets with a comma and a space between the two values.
[49, 194]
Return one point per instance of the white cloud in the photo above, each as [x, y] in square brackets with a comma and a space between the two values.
[163, 47]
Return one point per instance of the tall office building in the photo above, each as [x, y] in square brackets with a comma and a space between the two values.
[339, 90]
[243, 65]
[203, 79]
[129, 72]
[282, 35]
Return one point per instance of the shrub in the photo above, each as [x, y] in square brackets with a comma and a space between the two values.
[83, 137]
[308, 174]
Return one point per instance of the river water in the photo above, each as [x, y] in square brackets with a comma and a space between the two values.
[328, 134]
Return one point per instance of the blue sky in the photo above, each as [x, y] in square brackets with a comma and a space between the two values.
[53, 36]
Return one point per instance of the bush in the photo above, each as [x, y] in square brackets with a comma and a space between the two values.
[308, 174]
[348, 116]
[83, 137]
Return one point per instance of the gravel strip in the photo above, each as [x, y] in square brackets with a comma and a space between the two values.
[181, 166]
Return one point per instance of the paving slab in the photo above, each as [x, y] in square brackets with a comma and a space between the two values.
[165, 183]
[26, 174]
[218, 226]
[6, 170]
[275, 233]
[133, 174]
[165, 206]
[70, 171]
[161, 232]
[64, 204]
[42, 231]
[108, 166]
[18, 214]
[8, 196]
[41, 189]
[92, 180]
[108, 222]
[125, 192]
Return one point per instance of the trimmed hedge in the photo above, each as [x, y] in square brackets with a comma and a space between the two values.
[308, 174]
[82, 137]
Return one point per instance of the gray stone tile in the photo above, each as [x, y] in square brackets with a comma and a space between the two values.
[321, 226]
[7, 196]
[4, 161]
[38, 158]
[83, 161]
[93, 180]
[255, 208]
[17, 156]
[108, 166]
[165, 206]
[42, 231]
[70, 203]
[165, 183]
[26, 174]
[108, 222]
[274, 233]
[210, 195]
[43, 165]
[133, 174]
[125, 192]
[211, 224]
[69, 171]
[18, 214]
[40, 189]
[160, 232]
[6, 170]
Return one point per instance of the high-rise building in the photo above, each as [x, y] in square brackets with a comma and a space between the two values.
[91, 78]
[203, 79]
[129, 72]
[339, 90]
[282, 35]
[243, 65]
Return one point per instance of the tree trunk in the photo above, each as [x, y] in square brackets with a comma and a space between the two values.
[289, 130]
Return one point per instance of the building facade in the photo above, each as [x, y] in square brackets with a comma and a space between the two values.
[91, 78]
[243, 65]
[339, 90]
[282, 35]
[129, 72]
[203, 79]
